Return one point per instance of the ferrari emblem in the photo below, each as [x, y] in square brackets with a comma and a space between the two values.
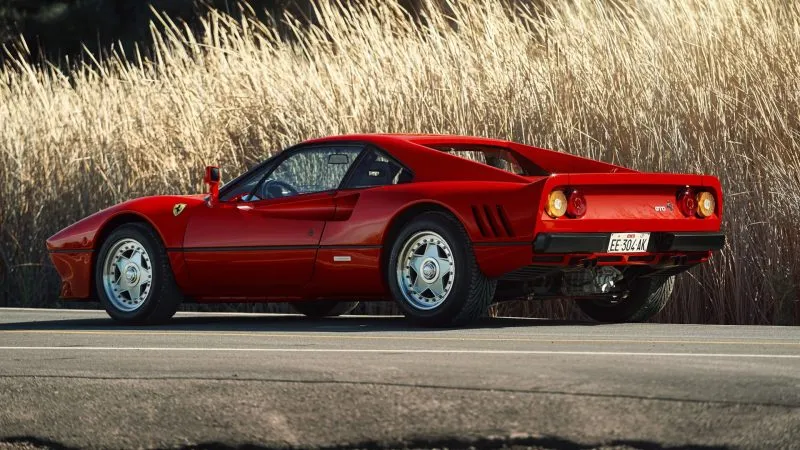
[178, 209]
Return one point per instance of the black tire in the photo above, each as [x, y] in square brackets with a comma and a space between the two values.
[471, 292]
[164, 296]
[323, 308]
[645, 300]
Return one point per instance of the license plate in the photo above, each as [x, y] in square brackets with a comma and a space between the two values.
[628, 242]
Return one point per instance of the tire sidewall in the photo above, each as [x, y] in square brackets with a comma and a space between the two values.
[459, 292]
[150, 245]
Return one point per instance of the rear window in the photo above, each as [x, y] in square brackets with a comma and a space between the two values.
[496, 157]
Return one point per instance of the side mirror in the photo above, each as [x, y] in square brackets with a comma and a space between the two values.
[212, 180]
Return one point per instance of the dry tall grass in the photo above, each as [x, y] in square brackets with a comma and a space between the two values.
[659, 85]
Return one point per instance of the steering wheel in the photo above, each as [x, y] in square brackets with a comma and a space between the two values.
[277, 189]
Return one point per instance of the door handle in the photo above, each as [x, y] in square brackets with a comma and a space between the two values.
[345, 204]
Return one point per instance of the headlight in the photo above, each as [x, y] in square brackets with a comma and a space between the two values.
[556, 204]
[705, 204]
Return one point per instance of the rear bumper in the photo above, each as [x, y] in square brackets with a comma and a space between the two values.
[598, 242]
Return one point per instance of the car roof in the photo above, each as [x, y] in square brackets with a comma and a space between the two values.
[418, 138]
[428, 164]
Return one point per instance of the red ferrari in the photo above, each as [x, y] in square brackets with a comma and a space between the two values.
[443, 225]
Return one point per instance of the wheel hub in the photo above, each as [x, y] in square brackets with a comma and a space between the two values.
[132, 274]
[430, 270]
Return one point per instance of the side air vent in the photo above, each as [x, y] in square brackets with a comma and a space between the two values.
[501, 213]
[492, 221]
[479, 221]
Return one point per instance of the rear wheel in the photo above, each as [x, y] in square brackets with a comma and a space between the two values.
[433, 275]
[647, 298]
[323, 308]
[133, 276]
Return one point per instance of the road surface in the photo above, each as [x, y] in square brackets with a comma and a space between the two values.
[75, 379]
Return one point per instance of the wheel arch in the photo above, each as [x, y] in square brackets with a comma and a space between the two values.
[107, 228]
[402, 218]
[118, 220]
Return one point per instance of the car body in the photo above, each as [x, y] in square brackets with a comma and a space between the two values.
[318, 223]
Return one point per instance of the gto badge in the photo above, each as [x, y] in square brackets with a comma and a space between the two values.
[178, 209]
[664, 208]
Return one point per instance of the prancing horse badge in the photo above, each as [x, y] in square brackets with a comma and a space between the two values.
[178, 209]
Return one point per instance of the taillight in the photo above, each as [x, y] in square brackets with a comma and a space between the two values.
[556, 204]
[702, 204]
[576, 204]
[687, 202]
[705, 204]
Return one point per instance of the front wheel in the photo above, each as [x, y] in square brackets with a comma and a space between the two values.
[647, 298]
[323, 308]
[133, 276]
[433, 275]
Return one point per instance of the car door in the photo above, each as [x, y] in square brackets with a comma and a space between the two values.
[348, 261]
[262, 241]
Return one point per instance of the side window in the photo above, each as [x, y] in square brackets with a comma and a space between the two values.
[245, 186]
[308, 171]
[376, 169]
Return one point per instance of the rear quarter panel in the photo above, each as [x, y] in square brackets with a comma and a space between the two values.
[377, 209]
[363, 237]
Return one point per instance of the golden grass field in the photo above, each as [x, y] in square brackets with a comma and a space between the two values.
[657, 85]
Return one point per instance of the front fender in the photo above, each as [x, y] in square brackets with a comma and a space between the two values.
[73, 249]
[157, 211]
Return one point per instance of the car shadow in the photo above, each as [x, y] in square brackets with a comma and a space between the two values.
[521, 441]
[245, 322]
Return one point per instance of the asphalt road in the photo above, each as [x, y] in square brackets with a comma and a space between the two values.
[76, 379]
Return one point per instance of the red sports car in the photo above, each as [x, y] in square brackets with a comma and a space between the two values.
[444, 225]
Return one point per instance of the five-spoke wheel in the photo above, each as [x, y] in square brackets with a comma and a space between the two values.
[133, 276]
[426, 271]
[127, 275]
[432, 272]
